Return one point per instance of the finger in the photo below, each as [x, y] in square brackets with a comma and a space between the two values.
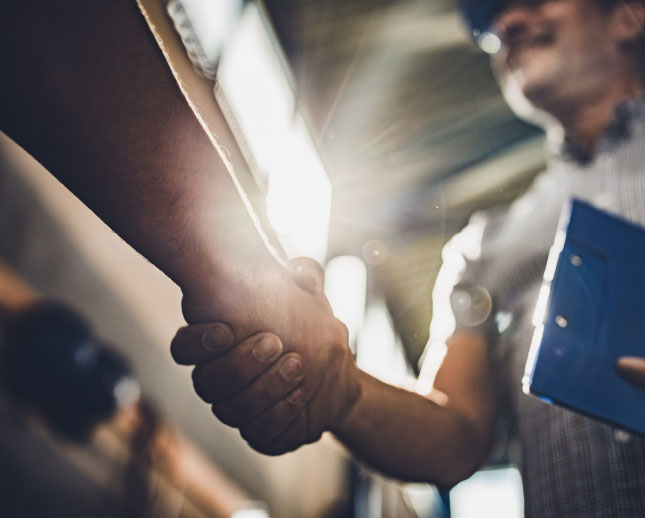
[308, 274]
[632, 369]
[280, 429]
[265, 391]
[294, 436]
[222, 377]
[200, 342]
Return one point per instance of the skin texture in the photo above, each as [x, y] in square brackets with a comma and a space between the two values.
[571, 61]
[104, 115]
[88, 93]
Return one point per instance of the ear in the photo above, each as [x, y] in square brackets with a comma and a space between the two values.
[628, 21]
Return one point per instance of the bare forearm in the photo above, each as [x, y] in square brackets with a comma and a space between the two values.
[88, 93]
[410, 437]
[441, 437]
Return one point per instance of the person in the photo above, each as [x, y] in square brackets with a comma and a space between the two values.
[575, 66]
[73, 397]
[87, 91]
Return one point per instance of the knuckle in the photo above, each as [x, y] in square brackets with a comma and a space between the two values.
[216, 339]
[272, 422]
[288, 437]
[258, 434]
[175, 352]
[273, 450]
[263, 393]
[180, 334]
[314, 437]
[250, 434]
[336, 336]
[177, 347]
[265, 428]
[223, 412]
[291, 370]
[296, 398]
[265, 348]
[343, 333]
[199, 384]
[262, 335]
[337, 352]
[267, 449]
[237, 374]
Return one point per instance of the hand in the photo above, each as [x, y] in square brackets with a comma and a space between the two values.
[632, 369]
[308, 274]
[259, 385]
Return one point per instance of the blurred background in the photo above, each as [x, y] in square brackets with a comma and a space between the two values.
[367, 133]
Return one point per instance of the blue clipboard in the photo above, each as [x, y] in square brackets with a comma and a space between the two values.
[591, 311]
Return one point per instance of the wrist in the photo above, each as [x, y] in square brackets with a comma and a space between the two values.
[248, 297]
[354, 395]
[220, 280]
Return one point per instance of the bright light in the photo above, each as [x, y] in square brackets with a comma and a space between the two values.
[299, 197]
[126, 391]
[379, 350]
[489, 43]
[254, 80]
[466, 244]
[204, 26]
[541, 307]
[554, 255]
[494, 493]
[433, 357]
[251, 509]
[250, 513]
[532, 356]
[345, 287]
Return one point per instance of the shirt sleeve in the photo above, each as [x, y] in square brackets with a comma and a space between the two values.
[461, 299]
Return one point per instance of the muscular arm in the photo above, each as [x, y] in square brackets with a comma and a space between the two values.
[87, 92]
[441, 438]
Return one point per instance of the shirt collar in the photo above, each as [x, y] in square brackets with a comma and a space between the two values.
[621, 128]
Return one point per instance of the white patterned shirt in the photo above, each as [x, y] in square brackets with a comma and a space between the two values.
[572, 466]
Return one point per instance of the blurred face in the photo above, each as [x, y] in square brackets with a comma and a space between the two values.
[555, 52]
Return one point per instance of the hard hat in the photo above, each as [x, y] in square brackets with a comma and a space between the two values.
[480, 14]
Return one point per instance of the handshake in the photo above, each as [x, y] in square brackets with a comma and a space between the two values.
[275, 364]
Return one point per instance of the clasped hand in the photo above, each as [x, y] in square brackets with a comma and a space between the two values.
[285, 385]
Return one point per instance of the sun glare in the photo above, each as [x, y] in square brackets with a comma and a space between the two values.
[255, 81]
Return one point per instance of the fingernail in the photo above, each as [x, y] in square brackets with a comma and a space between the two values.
[297, 397]
[291, 369]
[267, 349]
[217, 338]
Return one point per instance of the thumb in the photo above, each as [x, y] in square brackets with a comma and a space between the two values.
[308, 274]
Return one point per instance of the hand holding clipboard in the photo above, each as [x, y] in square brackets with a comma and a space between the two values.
[594, 314]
